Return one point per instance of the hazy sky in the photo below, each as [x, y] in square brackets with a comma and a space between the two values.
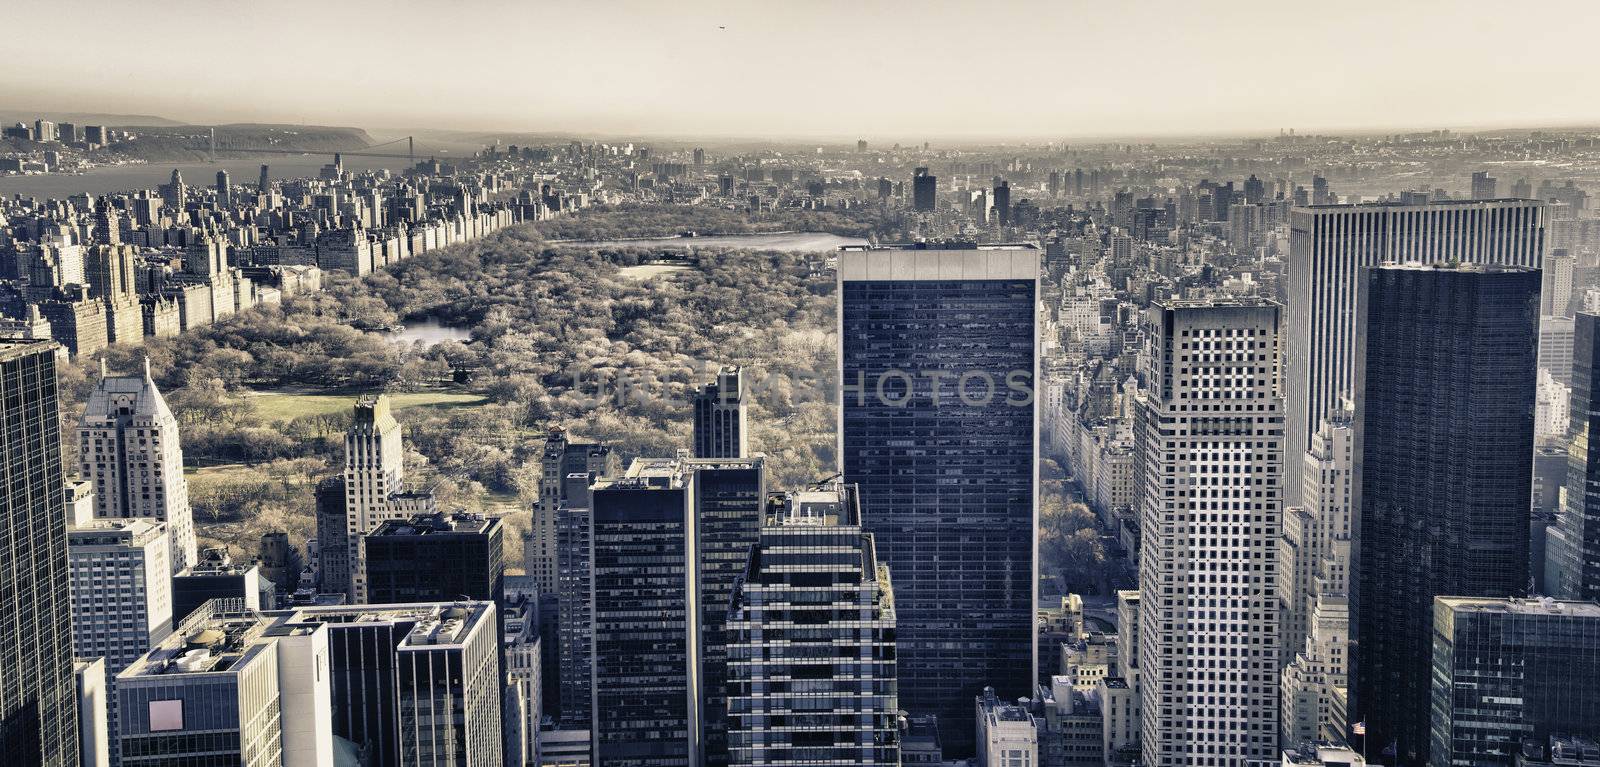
[887, 71]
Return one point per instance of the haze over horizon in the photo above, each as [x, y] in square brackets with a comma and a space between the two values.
[818, 70]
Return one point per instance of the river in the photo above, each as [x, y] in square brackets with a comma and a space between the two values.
[809, 242]
[126, 178]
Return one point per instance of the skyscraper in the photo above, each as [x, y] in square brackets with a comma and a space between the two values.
[1311, 532]
[815, 604]
[719, 422]
[1574, 542]
[575, 612]
[646, 686]
[1329, 245]
[1002, 202]
[1210, 457]
[374, 483]
[435, 558]
[730, 497]
[224, 190]
[411, 683]
[562, 458]
[128, 447]
[38, 698]
[939, 430]
[924, 191]
[121, 588]
[1483, 185]
[1443, 470]
[1505, 670]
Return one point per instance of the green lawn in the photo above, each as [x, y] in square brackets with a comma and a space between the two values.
[287, 406]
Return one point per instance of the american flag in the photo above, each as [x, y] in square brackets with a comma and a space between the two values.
[1359, 728]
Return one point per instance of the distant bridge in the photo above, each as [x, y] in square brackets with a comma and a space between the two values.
[411, 149]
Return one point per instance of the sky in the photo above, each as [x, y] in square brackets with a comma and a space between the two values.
[885, 71]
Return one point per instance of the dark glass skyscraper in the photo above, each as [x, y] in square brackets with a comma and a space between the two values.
[1574, 545]
[1509, 669]
[1445, 368]
[38, 699]
[730, 499]
[646, 688]
[939, 429]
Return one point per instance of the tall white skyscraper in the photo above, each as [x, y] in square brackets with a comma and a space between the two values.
[1329, 245]
[1211, 455]
[128, 448]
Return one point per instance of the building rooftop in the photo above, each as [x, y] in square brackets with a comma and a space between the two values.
[113, 531]
[434, 623]
[13, 348]
[1466, 267]
[1323, 755]
[1534, 606]
[647, 473]
[219, 636]
[1421, 205]
[437, 523]
[942, 245]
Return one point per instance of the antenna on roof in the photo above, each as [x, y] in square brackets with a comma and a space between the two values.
[146, 365]
[102, 366]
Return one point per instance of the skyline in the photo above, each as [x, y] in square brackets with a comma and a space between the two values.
[725, 70]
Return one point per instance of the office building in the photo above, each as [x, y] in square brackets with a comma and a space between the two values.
[38, 701]
[1509, 670]
[924, 191]
[128, 447]
[1210, 451]
[1312, 532]
[1573, 546]
[1443, 471]
[1483, 185]
[646, 696]
[939, 430]
[815, 604]
[216, 576]
[562, 458]
[374, 483]
[730, 497]
[1330, 245]
[1008, 735]
[523, 709]
[121, 588]
[210, 693]
[719, 423]
[576, 614]
[435, 558]
[410, 684]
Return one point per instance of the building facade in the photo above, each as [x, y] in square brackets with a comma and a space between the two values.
[1574, 541]
[646, 691]
[719, 417]
[121, 588]
[1443, 472]
[939, 429]
[1211, 450]
[1329, 246]
[1506, 670]
[38, 701]
[128, 447]
[435, 558]
[811, 651]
